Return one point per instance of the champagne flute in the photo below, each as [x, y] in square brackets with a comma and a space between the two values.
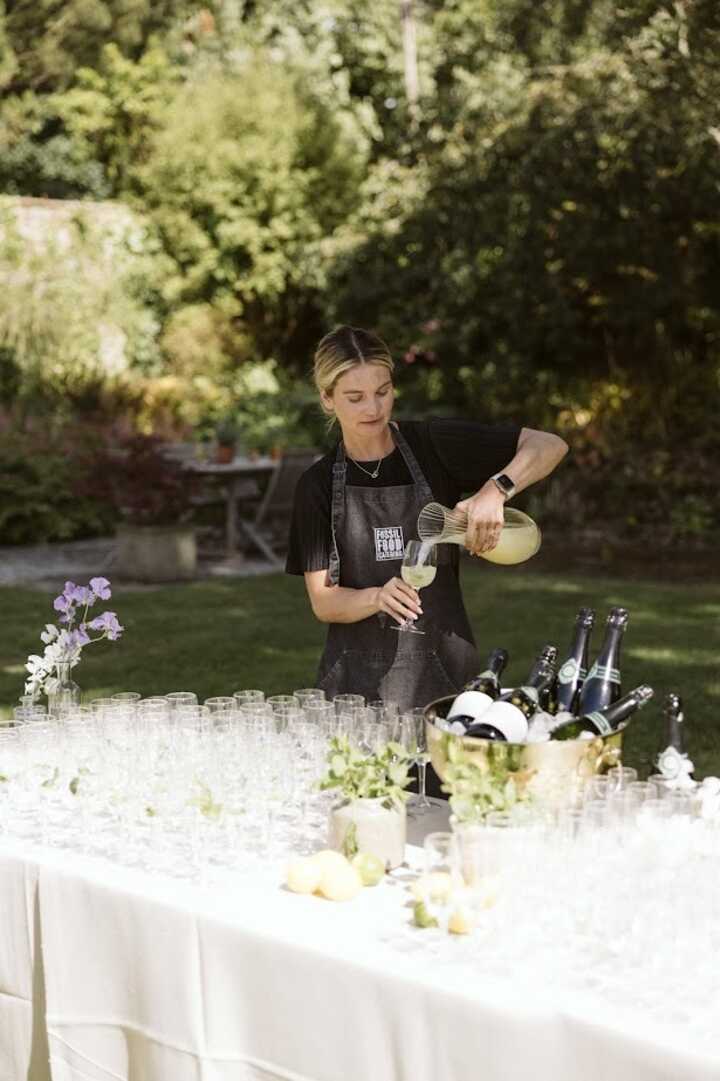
[419, 567]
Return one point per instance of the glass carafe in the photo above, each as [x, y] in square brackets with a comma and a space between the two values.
[519, 539]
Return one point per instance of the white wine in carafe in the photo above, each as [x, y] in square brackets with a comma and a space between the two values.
[519, 538]
[418, 576]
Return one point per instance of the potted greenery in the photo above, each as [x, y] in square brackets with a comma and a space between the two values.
[226, 438]
[371, 816]
[152, 496]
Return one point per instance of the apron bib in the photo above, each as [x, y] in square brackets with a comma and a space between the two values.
[370, 527]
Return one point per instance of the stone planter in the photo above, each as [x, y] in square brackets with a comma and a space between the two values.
[156, 553]
[376, 828]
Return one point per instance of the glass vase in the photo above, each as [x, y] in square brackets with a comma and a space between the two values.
[66, 694]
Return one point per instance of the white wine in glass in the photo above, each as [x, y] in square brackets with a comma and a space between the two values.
[419, 567]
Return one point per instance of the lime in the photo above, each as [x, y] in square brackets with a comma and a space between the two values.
[370, 868]
[422, 917]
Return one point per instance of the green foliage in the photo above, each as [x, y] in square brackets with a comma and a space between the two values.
[39, 501]
[74, 311]
[479, 784]
[247, 181]
[383, 775]
[116, 107]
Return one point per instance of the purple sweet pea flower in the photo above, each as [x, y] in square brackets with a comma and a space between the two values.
[101, 588]
[107, 622]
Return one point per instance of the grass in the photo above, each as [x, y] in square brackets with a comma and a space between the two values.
[215, 637]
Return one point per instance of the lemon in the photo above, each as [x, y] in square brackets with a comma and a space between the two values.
[328, 859]
[435, 885]
[303, 875]
[461, 921]
[370, 868]
[422, 917]
[340, 883]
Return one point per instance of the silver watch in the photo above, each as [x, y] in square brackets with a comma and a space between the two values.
[505, 483]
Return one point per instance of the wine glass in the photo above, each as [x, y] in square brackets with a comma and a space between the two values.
[419, 567]
[413, 738]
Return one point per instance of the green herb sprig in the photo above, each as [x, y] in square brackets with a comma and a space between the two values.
[383, 775]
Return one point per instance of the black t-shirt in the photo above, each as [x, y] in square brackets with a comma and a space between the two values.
[456, 457]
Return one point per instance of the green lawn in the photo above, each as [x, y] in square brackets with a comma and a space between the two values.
[215, 637]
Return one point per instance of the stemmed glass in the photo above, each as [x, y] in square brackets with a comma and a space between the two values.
[413, 738]
[419, 567]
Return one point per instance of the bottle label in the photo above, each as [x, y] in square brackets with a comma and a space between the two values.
[569, 671]
[602, 671]
[602, 724]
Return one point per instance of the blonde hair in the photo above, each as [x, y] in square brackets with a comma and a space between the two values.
[342, 349]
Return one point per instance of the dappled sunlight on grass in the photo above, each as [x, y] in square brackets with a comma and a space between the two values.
[694, 657]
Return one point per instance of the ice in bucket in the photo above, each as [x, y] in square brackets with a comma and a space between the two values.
[519, 539]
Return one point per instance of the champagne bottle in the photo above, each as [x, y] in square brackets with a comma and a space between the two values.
[674, 720]
[511, 713]
[602, 686]
[573, 670]
[547, 655]
[602, 722]
[488, 681]
[479, 692]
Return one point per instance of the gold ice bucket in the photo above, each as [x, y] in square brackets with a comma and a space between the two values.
[553, 773]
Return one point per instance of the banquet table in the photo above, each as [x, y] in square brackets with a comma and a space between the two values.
[115, 974]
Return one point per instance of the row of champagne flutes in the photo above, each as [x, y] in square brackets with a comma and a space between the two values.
[176, 785]
[615, 895]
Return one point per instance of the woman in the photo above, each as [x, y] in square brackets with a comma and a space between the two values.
[356, 507]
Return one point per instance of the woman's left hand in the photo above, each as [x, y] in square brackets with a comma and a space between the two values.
[485, 518]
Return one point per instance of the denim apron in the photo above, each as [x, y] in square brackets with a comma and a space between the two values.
[370, 527]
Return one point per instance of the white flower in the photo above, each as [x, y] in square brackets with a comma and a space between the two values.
[49, 634]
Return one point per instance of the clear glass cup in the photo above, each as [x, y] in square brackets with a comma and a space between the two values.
[419, 567]
[127, 696]
[243, 697]
[621, 776]
[219, 703]
[278, 701]
[181, 698]
[309, 694]
[442, 875]
[412, 736]
[345, 703]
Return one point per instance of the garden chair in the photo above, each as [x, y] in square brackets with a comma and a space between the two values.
[268, 528]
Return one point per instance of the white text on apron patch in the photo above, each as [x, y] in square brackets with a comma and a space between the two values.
[389, 542]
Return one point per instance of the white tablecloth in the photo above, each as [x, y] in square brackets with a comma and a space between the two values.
[147, 979]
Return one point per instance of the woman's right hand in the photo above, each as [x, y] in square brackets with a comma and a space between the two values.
[399, 600]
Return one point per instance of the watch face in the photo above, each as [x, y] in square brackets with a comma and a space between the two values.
[503, 481]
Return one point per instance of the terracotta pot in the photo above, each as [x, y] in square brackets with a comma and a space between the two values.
[224, 454]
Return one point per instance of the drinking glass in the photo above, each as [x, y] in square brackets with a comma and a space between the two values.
[347, 703]
[127, 697]
[181, 698]
[419, 567]
[243, 697]
[413, 737]
[219, 703]
[277, 701]
[442, 875]
[309, 694]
